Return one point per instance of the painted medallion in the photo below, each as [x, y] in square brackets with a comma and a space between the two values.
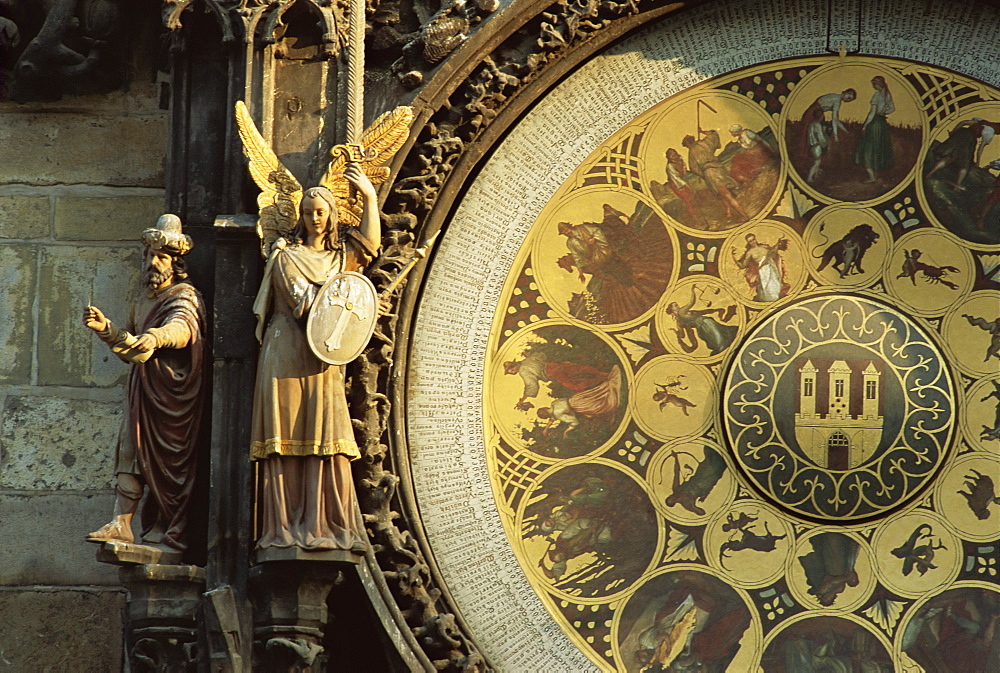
[742, 398]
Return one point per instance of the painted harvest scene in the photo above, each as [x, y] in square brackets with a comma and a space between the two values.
[743, 386]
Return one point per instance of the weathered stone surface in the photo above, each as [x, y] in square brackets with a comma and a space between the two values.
[69, 354]
[24, 216]
[58, 443]
[86, 149]
[43, 540]
[17, 278]
[61, 630]
[129, 554]
[110, 218]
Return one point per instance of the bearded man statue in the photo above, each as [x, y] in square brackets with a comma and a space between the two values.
[163, 341]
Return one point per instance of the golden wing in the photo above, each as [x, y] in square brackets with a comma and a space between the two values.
[280, 192]
[380, 143]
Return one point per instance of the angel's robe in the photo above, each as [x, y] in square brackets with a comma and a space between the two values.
[301, 430]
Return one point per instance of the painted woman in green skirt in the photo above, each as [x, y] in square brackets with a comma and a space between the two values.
[874, 150]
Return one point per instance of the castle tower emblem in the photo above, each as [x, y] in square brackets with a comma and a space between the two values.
[838, 411]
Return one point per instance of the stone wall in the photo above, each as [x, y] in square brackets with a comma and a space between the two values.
[81, 179]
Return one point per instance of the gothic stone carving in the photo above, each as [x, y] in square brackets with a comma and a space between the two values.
[162, 613]
[246, 19]
[454, 124]
[72, 47]
[290, 613]
[414, 37]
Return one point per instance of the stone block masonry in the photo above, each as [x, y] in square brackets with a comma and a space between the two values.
[57, 629]
[81, 179]
[68, 148]
[24, 216]
[70, 277]
[56, 443]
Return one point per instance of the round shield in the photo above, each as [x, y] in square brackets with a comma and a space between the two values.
[342, 318]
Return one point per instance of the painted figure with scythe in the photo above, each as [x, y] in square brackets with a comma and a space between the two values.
[703, 162]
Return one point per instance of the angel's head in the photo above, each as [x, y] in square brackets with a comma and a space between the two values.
[318, 217]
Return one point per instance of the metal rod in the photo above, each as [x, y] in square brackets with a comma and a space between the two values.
[418, 254]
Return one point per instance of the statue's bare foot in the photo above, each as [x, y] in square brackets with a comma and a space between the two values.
[119, 529]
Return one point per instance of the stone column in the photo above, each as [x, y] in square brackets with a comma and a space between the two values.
[161, 631]
[290, 611]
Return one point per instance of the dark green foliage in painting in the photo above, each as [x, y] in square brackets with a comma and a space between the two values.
[589, 512]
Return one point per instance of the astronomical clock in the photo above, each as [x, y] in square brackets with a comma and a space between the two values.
[727, 395]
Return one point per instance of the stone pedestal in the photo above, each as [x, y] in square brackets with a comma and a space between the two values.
[290, 611]
[130, 554]
[298, 554]
[162, 610]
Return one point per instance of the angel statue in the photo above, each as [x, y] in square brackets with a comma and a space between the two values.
[302, 437]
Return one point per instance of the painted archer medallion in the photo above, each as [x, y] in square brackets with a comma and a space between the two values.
[691, 481]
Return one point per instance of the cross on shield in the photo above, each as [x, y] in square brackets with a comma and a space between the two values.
[342, 318]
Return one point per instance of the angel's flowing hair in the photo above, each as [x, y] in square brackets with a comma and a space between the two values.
[331, 237]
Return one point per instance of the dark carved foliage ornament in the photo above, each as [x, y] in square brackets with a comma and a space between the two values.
[440, 31]
[450, 131]
[475, 103]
